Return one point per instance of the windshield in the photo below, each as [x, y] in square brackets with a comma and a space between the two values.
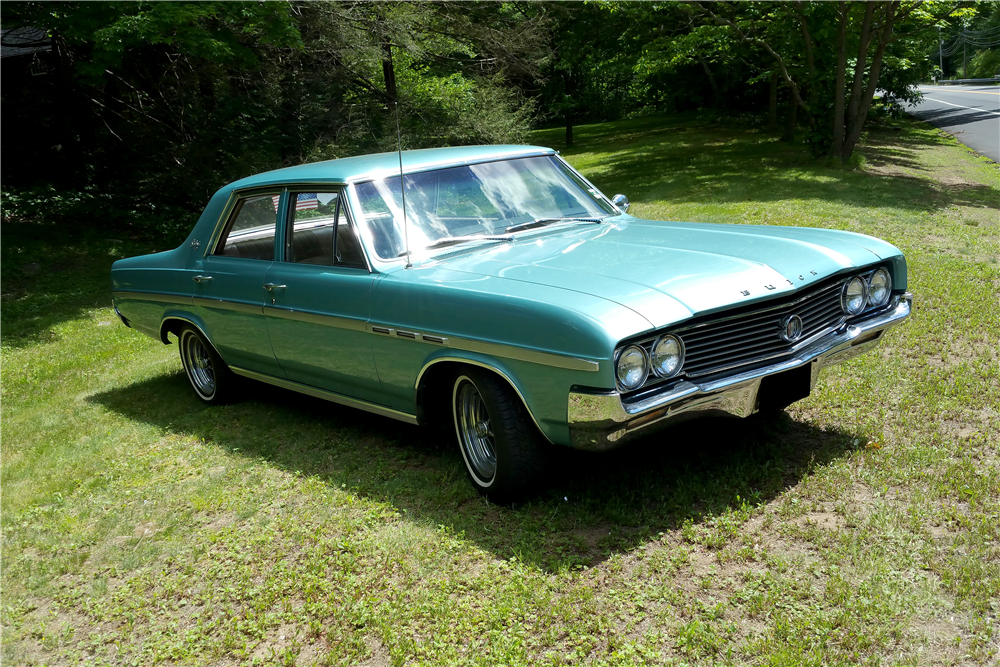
[466, 203]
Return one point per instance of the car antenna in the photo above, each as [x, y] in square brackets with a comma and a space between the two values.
[402, 189]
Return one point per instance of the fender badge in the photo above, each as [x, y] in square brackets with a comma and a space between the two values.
[791, 328]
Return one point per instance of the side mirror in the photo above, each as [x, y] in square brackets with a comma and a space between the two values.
[621, 201]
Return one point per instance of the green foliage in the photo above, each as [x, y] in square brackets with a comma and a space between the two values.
[161, 103]
[168, 101]
[47, 205]
[985, 64]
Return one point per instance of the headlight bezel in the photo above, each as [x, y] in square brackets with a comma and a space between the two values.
[646, 367]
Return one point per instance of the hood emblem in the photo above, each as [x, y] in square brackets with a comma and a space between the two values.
[791, 328]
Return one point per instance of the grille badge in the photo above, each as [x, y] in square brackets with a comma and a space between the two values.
[791, 328]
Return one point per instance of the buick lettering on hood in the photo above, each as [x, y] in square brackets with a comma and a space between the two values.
[497, 291]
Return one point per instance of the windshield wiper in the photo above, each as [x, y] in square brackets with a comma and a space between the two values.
[541, 222]
[454, 240]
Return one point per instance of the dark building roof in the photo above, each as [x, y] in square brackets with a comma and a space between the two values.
[23, 41]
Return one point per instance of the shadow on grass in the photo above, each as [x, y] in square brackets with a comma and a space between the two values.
[687, 160]
[72, 273]
[596, 505]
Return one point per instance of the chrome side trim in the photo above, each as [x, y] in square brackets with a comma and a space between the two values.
[601, 420]
[524, 354]
[340, 399]
[472, 362]
[153, 296]
[500, 350]
[236, 306]
[308, 317]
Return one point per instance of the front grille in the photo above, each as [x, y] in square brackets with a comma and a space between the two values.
[732, 340]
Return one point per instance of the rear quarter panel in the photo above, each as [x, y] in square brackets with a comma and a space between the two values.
[145, 288]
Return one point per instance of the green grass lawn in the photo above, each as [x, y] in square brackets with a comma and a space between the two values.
[140, 527]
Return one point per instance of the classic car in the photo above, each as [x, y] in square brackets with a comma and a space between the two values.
[497, 291]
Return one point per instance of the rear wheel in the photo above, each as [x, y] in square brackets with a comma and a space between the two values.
[502, 449]
[209, 375]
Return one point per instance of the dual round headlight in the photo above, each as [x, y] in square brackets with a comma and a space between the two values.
[634, 364]
[879, 288]
[632, 367]
[667, 356]
[859, 293]
[855, 296]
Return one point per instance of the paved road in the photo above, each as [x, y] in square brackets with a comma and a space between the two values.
[971, 113]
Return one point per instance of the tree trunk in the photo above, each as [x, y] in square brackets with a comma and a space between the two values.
[790, 120]
[711, 80]
[859, 67]
[388, 71]
[813, 88]
[568, 88]
[772, 103]
[854, 130]
[837, 147]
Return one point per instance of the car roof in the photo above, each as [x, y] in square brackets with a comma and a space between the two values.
[382, 165]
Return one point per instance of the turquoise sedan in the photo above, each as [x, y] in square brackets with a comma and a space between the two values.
[496, 290]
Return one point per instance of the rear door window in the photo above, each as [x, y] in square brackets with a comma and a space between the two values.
[250, 231]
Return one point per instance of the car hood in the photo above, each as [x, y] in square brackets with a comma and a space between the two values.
[668, 271]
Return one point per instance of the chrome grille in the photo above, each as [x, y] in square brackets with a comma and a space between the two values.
[729, 341]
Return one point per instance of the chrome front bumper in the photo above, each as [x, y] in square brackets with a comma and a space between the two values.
[600, 421]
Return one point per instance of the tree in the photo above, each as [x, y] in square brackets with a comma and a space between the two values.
[162, 103]
[811, 46]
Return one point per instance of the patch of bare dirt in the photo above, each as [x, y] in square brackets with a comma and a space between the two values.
[960, 430]
[379, 654]
[219, 522]
[939, 640]
[825, 520]
[276, 644]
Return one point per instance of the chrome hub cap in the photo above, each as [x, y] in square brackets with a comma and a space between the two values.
[475, 433]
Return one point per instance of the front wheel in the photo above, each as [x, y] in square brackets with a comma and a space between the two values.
[502, 449]
[209, 375]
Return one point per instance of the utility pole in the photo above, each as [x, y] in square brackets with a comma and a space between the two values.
[940, 54]
[965, 60]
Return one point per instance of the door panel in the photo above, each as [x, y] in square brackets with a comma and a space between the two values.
[229, 295]
[231, 305]
[316, 318]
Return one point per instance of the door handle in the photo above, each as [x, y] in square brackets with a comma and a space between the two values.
[271, 287]
[201, 279]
